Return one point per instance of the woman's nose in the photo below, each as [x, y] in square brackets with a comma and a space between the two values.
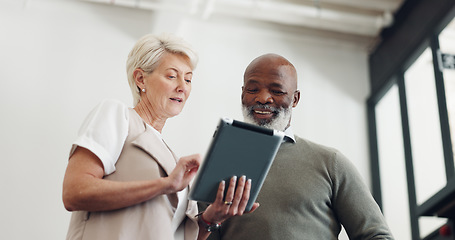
[182, 86]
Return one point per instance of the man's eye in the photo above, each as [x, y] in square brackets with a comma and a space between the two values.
[188, 80]
[172, 77]
[251, 90]
[277, 92]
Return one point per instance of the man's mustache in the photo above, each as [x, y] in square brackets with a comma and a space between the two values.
[263, 107]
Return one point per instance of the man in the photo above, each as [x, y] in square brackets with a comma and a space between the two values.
[310, 190]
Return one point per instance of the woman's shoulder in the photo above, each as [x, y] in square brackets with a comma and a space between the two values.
[112, 103]
[104, 131]
[112, 107]
[107, 113]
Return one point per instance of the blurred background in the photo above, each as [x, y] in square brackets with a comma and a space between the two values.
[60, 58]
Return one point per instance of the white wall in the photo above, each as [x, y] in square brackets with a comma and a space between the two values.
[59, 58]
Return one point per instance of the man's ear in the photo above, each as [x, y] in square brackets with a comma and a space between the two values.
[296, 98]
[241, 95]
[138, 76]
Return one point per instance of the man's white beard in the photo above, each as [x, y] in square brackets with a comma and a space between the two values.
[280, 122]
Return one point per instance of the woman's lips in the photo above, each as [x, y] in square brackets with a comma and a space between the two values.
[177, 99]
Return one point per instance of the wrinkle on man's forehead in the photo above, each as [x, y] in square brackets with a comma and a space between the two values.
[282, 71]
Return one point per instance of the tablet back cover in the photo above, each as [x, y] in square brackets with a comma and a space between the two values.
[236, 149]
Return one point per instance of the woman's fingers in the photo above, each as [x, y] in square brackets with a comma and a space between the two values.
[233, 203]
[184, 171]
[245, 197]
[255, 206]
[238, 195]
[220, 192]
[230, 191]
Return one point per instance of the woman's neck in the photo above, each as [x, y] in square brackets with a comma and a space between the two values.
[146, 112]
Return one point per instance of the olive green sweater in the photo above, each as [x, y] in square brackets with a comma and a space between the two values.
[309, 192]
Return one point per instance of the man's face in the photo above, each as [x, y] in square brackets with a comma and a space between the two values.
[268, 95]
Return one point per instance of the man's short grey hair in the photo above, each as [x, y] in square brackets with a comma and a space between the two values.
[148, 52]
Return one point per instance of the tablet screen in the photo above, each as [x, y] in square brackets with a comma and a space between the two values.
[237, 149]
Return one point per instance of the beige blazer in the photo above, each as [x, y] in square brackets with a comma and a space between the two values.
[144, 157]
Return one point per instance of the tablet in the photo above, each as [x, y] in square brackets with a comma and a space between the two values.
[237, 149]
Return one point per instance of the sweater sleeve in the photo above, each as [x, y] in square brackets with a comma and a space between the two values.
[354, 205]
[104, 132]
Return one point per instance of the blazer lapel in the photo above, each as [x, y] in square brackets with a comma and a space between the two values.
[155, 147]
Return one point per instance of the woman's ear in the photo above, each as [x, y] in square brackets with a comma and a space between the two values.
[139, 76]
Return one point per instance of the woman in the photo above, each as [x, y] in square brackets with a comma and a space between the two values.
[122, 180]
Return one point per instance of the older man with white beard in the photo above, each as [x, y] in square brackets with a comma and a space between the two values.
[311, 190]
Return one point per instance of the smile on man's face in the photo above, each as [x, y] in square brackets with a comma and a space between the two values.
[267, 96]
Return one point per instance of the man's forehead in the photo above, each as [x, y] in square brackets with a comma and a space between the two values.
[269, 82]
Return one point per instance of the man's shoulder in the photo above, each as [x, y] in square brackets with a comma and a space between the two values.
[303, 142]
[316, 151]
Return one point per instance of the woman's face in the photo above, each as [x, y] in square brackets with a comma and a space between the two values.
[169, 85]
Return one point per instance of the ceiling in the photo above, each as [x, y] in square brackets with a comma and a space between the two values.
[361, 18]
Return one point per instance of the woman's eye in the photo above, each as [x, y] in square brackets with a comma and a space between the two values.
[172, 77]
[188, 80]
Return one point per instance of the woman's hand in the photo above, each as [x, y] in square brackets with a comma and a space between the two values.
[234, 203]
[184, 171]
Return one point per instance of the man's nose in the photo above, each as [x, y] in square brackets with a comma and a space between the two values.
[264, 97]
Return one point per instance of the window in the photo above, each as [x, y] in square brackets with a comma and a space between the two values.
[447, 45]
[412, 132]
[424, 126]
[425, 135]
[392, 163]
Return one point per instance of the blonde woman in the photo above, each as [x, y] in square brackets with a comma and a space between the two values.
[122, 180]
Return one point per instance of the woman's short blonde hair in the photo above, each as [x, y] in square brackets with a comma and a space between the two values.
[149, 50]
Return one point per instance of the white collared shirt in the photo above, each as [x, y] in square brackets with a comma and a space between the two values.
[289, 135]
